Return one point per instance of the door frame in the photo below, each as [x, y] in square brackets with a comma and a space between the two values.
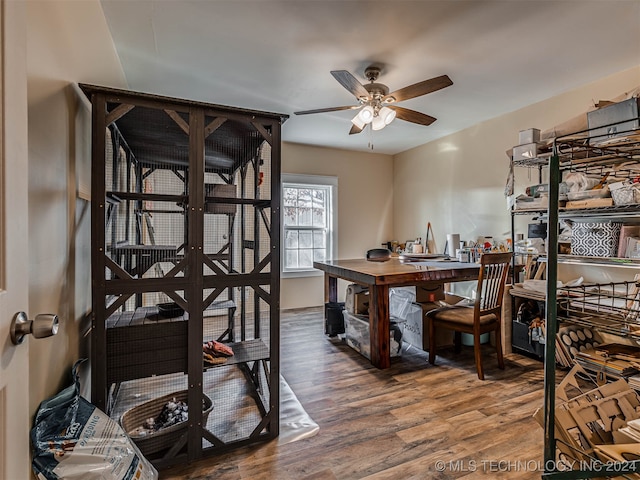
[15, 418]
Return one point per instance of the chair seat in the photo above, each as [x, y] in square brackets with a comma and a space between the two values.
[488, 305]
[461, 316]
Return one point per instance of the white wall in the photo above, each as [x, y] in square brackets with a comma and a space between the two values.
[457, 182]
[67, 43]
[365, 208]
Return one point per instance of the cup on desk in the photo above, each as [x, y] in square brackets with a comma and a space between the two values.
[418, 248]
[463, 255]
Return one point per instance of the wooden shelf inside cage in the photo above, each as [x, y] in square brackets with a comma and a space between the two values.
[142, 343]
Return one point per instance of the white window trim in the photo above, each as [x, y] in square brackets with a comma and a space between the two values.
[303, 179]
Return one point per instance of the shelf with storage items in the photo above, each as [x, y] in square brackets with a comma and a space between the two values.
[525, 331]
[616, 162]
[185, 241]
[613, 161]
[605, 308]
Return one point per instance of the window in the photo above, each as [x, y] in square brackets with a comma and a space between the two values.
[309, 222]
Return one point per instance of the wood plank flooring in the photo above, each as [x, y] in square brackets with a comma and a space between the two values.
[412, 421]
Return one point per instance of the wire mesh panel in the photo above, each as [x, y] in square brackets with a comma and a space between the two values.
[237, 267]
[185, 230]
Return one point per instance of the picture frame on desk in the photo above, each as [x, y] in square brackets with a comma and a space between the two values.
[408, 246]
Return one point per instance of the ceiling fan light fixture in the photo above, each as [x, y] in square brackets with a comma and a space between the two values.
[366, 114]
[358, 122]
[378, 123]
[387, 115]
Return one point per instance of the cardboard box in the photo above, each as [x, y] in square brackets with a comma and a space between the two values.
[590, 203]
[610, 406]
[220, 190]
[431, 293]
[627, 232]
[357, 299]
[531, 135]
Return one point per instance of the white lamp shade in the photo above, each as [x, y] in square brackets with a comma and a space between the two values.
[358, 122]
[387, 115]
[378, 123]
[366, 114]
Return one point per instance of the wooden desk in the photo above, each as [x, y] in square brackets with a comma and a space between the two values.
[379, 276]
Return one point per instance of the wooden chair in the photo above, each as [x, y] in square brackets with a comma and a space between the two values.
[481, 317]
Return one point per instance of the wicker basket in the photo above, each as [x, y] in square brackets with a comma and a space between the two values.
[626, 195]
[165, 437]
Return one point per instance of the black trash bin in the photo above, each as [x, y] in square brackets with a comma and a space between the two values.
[333, 318]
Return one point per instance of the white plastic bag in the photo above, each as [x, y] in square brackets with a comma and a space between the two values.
[72, 439]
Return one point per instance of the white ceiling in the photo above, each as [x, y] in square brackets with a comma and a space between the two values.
[276, 55]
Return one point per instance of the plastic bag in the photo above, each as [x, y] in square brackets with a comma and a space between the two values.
[72, 439]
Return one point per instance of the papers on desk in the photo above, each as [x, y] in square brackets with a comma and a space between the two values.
[416, 257]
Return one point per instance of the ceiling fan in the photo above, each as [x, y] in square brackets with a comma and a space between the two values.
[376, 104]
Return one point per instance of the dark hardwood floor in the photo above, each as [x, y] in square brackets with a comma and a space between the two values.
[412, 421]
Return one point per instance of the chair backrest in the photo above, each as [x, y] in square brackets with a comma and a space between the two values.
[491, 281]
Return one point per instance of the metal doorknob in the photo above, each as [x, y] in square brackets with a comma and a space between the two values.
[44, 325]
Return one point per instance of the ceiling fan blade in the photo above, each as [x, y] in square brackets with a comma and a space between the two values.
[418, 89]
[412, 116]
[355, 129]
[330, 109]
[351, 83]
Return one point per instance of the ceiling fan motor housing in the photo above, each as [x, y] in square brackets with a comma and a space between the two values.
[377, 89]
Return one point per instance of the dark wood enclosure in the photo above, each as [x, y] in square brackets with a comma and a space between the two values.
[185, 250]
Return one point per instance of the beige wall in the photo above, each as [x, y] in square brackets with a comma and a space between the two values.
[67, 42]
[365, 207]
[457, 182]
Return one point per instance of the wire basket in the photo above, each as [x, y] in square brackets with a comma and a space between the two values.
[611, 307]
[165, 437]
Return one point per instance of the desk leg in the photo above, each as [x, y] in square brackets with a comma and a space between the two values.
[330, 288]
[379, 325]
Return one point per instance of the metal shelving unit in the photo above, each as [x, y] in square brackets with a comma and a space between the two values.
[584, 153]
[520, 330]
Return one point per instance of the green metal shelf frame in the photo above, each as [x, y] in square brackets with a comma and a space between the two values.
[557, 163]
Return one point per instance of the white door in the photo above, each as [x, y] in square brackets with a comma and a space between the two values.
[14, 360]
